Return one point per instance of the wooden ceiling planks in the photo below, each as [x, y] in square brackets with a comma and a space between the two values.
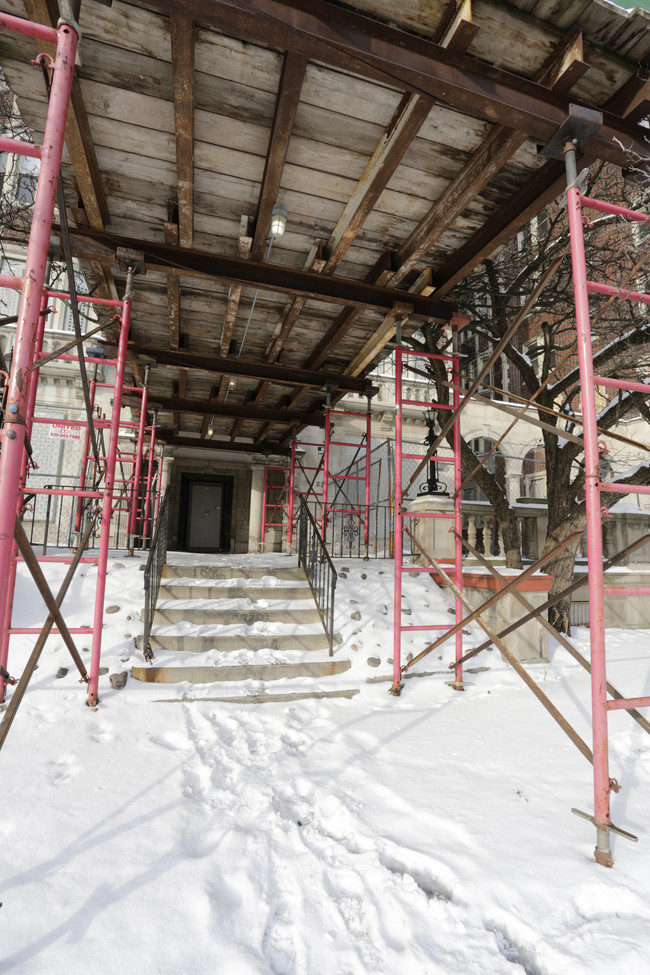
[223, 120]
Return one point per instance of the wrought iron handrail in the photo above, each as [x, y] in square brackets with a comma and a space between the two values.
[153, 573]
[319, 569]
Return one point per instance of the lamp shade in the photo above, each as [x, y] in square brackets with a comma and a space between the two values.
[278, 220]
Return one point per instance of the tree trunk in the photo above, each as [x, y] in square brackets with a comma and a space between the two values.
[511, 540]
[561, 569]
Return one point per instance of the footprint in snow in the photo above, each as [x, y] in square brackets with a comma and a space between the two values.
[173, 740]
[102, 732]
[64, 768]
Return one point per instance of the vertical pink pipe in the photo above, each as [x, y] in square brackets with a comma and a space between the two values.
[137, 472]
[399, 527]
[84, 461]
[458, 517]
[326, 470]
[264, 490]
[292, 488]
[17, 402]
[594, 530]
[107, 504]
[367, 486]
[150, 465]
[29, 424]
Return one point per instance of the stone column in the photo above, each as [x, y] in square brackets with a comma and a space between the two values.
[434, 533]
[256, 508]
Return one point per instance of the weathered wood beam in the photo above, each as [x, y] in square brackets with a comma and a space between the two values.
[293, 308]
[173, 440]
[457, 33]
[357, 43]
[563, 68]
[388, 327]
[284, 375]
[288, 97]
[181, 388]
[206, 419]
[181, 25]
[244, 245]
[183, 404]
[78, 138]
[268, 277]
[173, 292]
[540, 190]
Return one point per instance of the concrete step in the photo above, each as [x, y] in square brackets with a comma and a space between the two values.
[247, 617]
[200, 644]
[231, 572]
[265, 672]
[171, 591]
[262, 698]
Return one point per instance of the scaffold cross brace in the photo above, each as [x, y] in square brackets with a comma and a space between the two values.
[610, 826]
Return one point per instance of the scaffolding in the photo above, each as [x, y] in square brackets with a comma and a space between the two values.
[21, 387]
[594, 489]
[406, 520]
[275, 499]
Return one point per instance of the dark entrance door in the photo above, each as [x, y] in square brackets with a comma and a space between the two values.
[205, 513]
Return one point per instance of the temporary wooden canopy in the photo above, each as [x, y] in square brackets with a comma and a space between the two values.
[402, 137]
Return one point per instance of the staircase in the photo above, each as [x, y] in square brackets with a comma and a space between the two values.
[248, 626]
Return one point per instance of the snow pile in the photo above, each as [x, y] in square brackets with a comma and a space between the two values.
[426, 834]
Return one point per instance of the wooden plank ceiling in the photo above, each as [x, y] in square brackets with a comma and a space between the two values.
[401, 137]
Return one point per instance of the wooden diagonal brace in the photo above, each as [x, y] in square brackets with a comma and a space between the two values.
[37, 574]
[568, 729]
[475, 614]
[30, 667]
[560, 637]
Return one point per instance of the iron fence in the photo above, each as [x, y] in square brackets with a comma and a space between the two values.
[319, 569]
[153, 573]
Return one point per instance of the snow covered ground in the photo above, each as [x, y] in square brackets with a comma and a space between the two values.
[431, 833]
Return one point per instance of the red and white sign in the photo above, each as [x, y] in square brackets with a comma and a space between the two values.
[64, 432]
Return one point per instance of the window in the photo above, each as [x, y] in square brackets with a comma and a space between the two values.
[495, 464]
[27, 179]
[475, 352]
[533, 474]
[10, 297]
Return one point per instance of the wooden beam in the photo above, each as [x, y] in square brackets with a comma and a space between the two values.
[293, 308]
[540, 190]
[183, 404]
[357, 43]
[564, 67]
[173, 440]
[206, 419]
[173, 292]
[288, 97]
[249, 369]
[387, 329]
[78, 138]
[277, 278]
[457, 33]
[181, 25]
[234, 294]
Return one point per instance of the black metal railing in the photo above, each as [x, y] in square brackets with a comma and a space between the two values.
[153, 573]
[50, 519]
[319, 569]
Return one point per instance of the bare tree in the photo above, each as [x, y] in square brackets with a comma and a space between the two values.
[542, 362]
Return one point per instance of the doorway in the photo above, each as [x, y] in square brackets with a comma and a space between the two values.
[205, 513]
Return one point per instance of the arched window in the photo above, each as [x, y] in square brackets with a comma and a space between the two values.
[533, 474]
[495, 464]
